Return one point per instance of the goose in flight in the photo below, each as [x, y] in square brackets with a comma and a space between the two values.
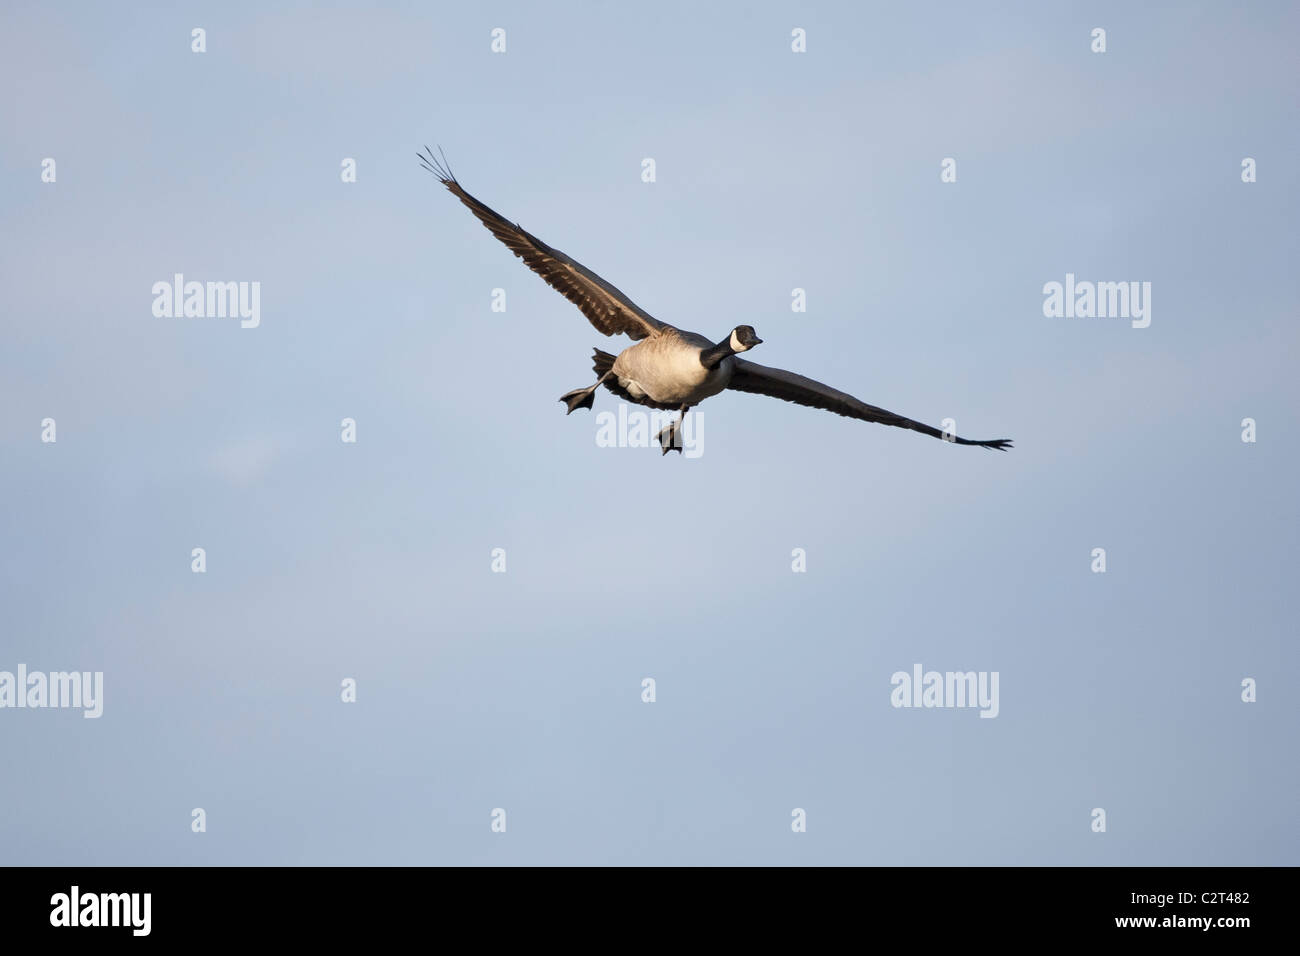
[667, 368]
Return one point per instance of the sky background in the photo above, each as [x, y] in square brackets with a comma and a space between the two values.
[522, 690]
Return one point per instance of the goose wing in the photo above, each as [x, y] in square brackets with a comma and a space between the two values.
[778, 383]
[608, 309]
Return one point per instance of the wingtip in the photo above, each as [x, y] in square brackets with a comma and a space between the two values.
[441, 169]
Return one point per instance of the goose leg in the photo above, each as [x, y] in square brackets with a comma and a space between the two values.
[670, 435]
[582, 397]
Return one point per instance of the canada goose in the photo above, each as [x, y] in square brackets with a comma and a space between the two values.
[667, 368]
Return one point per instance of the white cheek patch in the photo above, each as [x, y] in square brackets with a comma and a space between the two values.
[735, 344]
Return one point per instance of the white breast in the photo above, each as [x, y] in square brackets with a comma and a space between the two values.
[668, 371]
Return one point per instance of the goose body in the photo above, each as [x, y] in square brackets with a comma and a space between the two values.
[667, 367]
[665, 371]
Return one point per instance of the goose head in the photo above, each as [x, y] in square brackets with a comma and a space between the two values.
[743, 339]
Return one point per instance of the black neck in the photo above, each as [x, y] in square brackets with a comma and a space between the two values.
[712, 357]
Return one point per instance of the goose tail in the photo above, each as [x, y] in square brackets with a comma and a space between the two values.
[602, 362]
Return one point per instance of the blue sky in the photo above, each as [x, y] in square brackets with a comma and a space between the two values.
[522, 690]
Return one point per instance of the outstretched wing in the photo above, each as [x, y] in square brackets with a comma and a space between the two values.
[778, 383]
[609, 310]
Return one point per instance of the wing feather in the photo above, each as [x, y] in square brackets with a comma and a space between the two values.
[608, 309]
[790, 387]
